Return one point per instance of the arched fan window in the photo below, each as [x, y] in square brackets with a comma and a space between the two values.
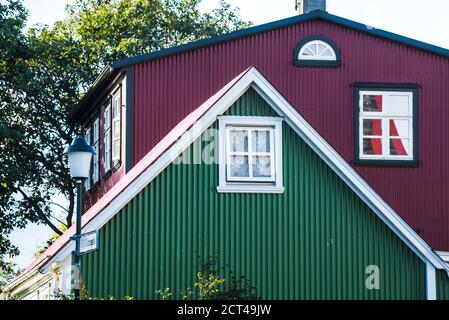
[316, 51]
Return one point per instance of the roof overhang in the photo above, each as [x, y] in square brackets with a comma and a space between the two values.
[24, 276]
[96, 93]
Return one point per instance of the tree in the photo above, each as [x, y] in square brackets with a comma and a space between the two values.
[13, 75]
[43, 75]
[8, 272]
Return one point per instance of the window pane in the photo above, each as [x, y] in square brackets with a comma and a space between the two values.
[261, 141]
[262, 166]
[372, 103]
[116, 129]
[308, 52]
[399, 147]
[107, 117]
[399, 128]
[372, 146]
[239, 140]
[116, 107]
[239, 166]
[96, 133]
[107, 150]
[372, 127]
[116, 150]
[96, 164]
[320, 49]
[399, 104]
[327, 53]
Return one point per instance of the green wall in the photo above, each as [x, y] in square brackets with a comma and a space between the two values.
[442, 285]
[312, 242]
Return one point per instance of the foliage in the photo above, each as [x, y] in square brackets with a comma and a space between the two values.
[165, 294]
[8, 272]
[238, 288]
[44, 73]
[210, 284]
[84, 295]
[13, 56]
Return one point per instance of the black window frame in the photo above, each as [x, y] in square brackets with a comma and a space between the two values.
[391, 87]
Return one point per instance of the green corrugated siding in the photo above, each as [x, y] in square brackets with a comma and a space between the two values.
[442, 285]
[312, 242]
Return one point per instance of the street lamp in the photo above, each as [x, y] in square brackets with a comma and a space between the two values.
[80, 156]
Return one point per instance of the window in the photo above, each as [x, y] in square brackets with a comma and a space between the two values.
[250, 151]
[92, 137]
[386, 125]
[107, 137]
[116, 128]
[316, 51]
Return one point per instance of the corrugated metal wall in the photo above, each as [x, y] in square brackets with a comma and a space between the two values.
[442, 285]
[168, 89]
[312, 242]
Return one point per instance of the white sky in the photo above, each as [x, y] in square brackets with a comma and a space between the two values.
[422, 20]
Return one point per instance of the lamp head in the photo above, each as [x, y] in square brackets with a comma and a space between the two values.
[80, 155]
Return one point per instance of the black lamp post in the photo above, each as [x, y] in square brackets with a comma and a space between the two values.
[80, 156]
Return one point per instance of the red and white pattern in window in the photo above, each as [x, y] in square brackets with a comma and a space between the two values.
[386, 125]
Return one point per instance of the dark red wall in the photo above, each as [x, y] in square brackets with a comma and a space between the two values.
[166, 90]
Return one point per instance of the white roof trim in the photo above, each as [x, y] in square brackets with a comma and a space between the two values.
[253, 78]
[444, 255]
[22, 278]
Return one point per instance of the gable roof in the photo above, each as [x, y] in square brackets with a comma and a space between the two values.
[111, 71]
[191, 127]
[135, 173]
[316, 14]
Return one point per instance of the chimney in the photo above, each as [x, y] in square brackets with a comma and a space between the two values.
[305, 6]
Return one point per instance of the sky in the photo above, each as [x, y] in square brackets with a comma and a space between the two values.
[422, 20]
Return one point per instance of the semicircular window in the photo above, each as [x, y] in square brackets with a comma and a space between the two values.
[316, 52]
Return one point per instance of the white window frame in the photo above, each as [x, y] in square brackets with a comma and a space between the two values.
[107, 145]
[116, 103]
[96, 145]
[306, 46]
[385, 117]
[273, 184]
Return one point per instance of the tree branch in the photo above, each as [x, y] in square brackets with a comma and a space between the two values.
[40, 213]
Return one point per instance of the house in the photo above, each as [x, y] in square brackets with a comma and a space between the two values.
[35, 285]
[308, 154]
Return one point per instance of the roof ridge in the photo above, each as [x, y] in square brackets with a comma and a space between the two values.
[316, 14]
[113, 68]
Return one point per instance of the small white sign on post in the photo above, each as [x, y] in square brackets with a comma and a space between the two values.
[88, 242]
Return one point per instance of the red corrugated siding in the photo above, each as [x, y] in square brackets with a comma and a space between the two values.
[166, 90]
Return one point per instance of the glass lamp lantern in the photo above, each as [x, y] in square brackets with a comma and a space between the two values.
[80, 155]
